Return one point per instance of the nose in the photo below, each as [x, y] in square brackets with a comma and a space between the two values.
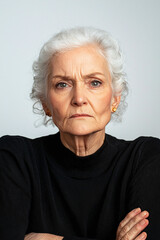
[78, 96]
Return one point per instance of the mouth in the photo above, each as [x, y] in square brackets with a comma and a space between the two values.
[80, 115]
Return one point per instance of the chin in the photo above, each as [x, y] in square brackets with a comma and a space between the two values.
[79, 132]
[82, 131]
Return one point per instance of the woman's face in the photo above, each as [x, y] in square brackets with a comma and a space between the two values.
[80, 92]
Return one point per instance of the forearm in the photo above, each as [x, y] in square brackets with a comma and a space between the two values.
[42, 236]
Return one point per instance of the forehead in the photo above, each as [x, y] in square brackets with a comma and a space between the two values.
[85, 59]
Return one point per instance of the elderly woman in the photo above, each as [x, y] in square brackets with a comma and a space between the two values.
[79, 183]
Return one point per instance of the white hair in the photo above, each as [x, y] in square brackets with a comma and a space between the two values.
[73, 38]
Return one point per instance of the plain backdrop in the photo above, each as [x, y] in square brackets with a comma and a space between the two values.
[26, 24]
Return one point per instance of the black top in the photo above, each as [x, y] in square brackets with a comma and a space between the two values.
[46, 188]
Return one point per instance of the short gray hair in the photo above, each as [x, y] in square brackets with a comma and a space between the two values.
[73, 38]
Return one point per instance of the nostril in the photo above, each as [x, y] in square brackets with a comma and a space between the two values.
[79, 102]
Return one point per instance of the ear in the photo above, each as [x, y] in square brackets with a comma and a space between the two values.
[46, 110]
[115, 102]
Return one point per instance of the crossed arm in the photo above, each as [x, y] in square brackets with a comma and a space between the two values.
[131, 227]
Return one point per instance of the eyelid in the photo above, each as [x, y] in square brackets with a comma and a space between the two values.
[62, 82]
[96, 80]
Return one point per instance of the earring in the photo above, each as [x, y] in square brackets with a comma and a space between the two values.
[114, 109]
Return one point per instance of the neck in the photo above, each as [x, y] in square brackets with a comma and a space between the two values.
[83, 145]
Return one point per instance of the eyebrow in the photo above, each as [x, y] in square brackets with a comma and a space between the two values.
[90, 75]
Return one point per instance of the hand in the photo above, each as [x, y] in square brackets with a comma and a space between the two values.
[42, 236]
[132, 225]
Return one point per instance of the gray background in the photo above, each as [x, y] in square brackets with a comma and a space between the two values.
[26, 24]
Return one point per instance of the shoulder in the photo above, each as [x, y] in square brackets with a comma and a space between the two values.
[147, 158]
[11, 141]
[24, 145]
[13, 152]
[149, 154]
[18, 152]
[137, 153]
[142, 144]
[149, 146]
[15, 144]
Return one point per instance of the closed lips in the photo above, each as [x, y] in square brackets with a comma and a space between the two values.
[80, 115]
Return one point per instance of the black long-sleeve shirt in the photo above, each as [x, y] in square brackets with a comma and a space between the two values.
[46, 188]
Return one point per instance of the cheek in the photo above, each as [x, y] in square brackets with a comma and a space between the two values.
[105, 110]
[57, 107]
[108, 102]
[103, 104]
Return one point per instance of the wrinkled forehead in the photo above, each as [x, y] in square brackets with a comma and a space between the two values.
[84, 60]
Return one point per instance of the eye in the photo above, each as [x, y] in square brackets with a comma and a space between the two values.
[95, 83]
[61, 85]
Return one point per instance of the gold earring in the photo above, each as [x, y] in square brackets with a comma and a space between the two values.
[114, 109]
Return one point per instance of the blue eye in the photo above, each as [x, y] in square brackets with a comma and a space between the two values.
[95, 83]
[61, 85]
